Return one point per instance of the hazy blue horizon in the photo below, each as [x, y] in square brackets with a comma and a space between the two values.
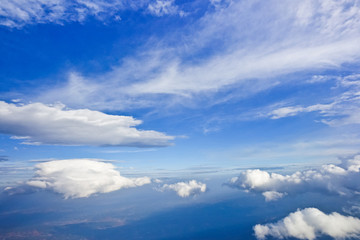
[167, 119]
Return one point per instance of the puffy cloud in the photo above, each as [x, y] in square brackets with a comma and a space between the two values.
[310, 223]
[272, 195]
[77, 178]
[17, 13]
[185, 189]
[329, 178]
[37, 123]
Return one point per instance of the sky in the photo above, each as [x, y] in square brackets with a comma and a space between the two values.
[141, 114]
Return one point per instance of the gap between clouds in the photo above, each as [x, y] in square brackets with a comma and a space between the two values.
[311, 223]
[339, 179]
[37, 123]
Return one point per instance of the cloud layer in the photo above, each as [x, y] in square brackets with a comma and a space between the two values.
[77, 178]
[342, 109]
[330, 178]
[186, 189]
[310, 223]
[37, 123]
[17, 13]
[256, 42]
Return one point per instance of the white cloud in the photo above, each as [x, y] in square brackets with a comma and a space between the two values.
[255, 41]
[186, 189]
[272, 195]
[342, 109]
[163, 7]
[311, 223]
[292, 111]
[17, 13]
[330, 178]
[37, 123]
[77, 178]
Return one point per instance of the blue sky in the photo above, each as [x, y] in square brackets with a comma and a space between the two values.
[166, 91]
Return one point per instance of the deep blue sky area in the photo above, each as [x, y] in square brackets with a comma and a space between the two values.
[166, 119]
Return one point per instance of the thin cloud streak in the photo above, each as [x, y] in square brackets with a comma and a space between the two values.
[342, 109]
[294, 36]
[18, 13]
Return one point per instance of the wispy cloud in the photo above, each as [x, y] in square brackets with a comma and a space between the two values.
[342, 109]
[255, 43]
[164, 7]
[17, 13]
[77, 178]
[311, 223]
[37, 123]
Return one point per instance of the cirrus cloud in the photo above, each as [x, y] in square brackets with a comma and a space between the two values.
[17, 13]
[249, 46]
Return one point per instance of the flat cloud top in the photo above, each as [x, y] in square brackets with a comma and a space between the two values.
[186, 189]
[310, 223]
[38, 123]
[77, 178]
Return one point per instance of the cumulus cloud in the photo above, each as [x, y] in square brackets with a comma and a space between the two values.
[77, 178]
[272, 195]
[37, 123]
[311, 223]
[329, 178]
[17, 13]
[186, 189]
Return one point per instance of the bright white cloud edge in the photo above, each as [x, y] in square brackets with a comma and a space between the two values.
[311, 223]
[79, 178]
[37, 123]
[186, 189]
[339, 179]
